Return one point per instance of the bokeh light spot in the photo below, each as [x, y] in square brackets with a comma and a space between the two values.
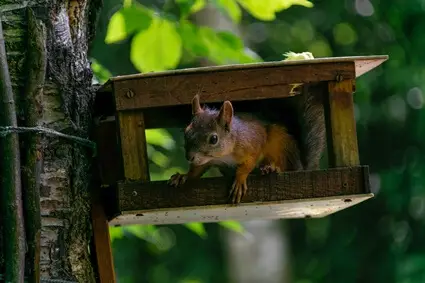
[344, 34]
[415, 98]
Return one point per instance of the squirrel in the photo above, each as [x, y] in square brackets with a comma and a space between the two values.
[240, 142]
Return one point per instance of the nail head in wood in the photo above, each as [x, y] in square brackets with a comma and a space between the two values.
[129, 93]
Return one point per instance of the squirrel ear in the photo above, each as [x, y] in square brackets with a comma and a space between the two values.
[226, 114]
[196, 107]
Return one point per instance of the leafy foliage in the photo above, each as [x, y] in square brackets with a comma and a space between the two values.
[127, 21]
[158, 47]
[157, 42]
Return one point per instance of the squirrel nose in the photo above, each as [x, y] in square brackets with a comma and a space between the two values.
[190, 157]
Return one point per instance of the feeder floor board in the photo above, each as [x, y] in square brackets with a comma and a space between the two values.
[287, 195]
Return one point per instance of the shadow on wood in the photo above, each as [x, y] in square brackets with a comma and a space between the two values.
[287, 195]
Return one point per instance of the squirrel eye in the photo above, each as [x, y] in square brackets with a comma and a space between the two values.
[213, 139]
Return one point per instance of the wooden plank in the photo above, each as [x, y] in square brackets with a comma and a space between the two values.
[102, 242]
[341, 125]
[142, 197]
[109, 161]
[217, 86]
[133, 145]
[378, 59]
[364, 65]
[289, 209]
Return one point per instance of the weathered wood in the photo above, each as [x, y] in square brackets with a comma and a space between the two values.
[139, 198]
[133, 145]
[341, 125]
[102, 242]
[216, 86]
[363, 65]
[109, 159]
[110, 170]
[287, 209]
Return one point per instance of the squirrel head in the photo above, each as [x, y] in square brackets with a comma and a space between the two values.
[208, 136]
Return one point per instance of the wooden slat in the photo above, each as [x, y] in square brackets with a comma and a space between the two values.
[364, 65]
[216, 86]
[109, 159]
[377, 59]
[133, 145]
[136, 196]
[289, 209]
[341, 124]
[102, 243]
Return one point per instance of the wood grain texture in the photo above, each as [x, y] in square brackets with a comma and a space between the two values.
[316, 61]
[364, 65]
[143, 197]
[102, 243]
[227, 84]
[341, 125]
[110, 170]
[133, 145]
[287, 209]
[109, 159]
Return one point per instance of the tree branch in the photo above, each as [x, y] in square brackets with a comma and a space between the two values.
[11, 201]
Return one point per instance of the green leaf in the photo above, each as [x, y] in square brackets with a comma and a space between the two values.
[231, 8]
[101, 73]
[116, 233]
[160, 137]
[286, 4]
[157, 48]
[160, 159]
[191, 42]
[266, 9]
[127, 21]
[233, 225]
[198, 228]
[188, 7]
[230, 40]
[219, 47]
[224, 47]
[144, 232]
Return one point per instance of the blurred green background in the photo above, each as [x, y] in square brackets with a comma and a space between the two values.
[381, 240]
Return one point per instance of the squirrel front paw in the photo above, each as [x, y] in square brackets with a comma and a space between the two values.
[177, 179]
[238, 191]
[269, 168]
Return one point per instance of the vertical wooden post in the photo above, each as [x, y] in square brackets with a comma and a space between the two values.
[100, 223]
[340, 124]
[102, 240]
[133, 145]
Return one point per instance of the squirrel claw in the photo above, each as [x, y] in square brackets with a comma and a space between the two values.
[238, 191]
[269, 169]
[177, 180]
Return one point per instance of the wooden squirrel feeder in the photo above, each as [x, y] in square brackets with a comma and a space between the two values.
[127, 105]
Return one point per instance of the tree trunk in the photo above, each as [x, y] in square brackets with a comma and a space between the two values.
[47, 53]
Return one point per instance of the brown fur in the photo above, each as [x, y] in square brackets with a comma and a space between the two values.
[243, 140]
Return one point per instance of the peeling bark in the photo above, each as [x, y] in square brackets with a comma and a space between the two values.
[63, 103]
